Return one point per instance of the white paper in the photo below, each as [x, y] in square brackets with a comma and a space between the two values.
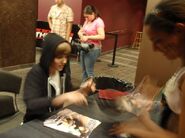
[72, 122]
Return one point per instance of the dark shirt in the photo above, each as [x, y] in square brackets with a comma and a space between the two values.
[35, 93]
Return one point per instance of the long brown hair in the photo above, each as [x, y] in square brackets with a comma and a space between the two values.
[166, 14]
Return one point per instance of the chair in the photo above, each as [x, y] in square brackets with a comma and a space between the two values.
[9, 89]
[137, 40]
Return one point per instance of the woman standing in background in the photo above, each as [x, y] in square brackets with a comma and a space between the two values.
[91, 33]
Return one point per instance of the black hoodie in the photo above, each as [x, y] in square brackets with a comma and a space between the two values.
[36, 84]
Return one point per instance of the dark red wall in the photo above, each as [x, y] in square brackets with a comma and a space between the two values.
[44, 6]
[117, 15]
[120, 15]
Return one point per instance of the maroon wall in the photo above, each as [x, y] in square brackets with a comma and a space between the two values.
[117, 15]
[120, 15]
[44, 7]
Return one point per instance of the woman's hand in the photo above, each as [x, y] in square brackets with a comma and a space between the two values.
[117, 129]
[81, 35]
[84, 38]
[69, 98]
[87, 87]
[136, 128]
[74, 98]
[81, 118]
[125, 127]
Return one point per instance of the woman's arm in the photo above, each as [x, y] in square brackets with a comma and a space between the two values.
[144, 118]
[141, 133]
[75, 97]
[99, 29]
[137, 128]
[181, 133]
[100, 35]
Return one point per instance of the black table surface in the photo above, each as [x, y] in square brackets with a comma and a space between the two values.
[102, 110]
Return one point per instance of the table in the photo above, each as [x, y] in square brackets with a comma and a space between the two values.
[102, 110]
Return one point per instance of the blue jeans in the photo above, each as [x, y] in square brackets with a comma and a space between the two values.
[87, 61]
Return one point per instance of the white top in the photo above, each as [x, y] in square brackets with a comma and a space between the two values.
[54, 80]
[173, 93]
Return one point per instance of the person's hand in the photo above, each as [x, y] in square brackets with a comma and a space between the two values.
[82, 121]
[117, 129]
[122, 128]
[131, 127]
[135, 104]
[74, 98]
[87, 87]
[84, 38]
[81, 118]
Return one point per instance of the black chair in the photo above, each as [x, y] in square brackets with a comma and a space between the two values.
[9, 89]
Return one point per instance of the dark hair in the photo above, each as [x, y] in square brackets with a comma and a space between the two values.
[51, 49]
[89, 9]
[166, 14]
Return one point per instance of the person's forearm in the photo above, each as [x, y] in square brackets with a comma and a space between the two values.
[68, 31]
[149, 124]
[149, 134]
[152, 126]
[60, 100]
[50, 23]
[96, 37]
[99, 36]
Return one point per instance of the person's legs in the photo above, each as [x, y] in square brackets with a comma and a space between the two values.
[82, 63]
[89, 61]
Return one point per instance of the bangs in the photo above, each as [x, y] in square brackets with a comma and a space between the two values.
[63, 49]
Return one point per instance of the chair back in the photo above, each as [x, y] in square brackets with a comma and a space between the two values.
[9, 82]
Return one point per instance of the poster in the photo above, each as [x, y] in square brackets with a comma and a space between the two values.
[72, 122]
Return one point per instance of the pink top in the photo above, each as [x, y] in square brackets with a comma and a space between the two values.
[91, 29]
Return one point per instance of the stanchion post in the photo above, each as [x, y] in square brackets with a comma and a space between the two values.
[114, 51]
[115, 34]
